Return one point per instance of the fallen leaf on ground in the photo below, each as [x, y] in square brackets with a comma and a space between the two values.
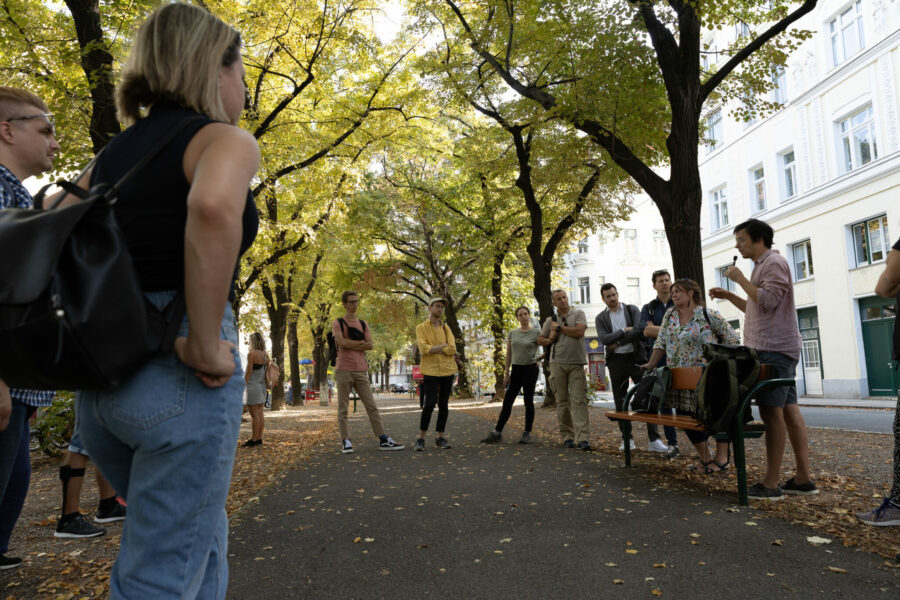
[837, 570]
[814, 539]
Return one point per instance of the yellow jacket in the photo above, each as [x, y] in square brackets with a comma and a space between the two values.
[442, 363]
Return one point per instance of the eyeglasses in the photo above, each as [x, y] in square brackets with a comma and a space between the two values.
[48, 116]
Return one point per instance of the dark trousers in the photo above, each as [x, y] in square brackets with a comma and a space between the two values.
[521, 377]
[437, 391]
[15, 470]
[621, 369]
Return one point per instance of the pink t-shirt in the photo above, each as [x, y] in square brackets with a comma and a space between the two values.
[771, 323]
[350, 360]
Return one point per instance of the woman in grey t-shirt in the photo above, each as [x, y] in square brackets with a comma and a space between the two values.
[522, 357]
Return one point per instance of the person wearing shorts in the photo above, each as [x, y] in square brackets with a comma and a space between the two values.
[770, 326]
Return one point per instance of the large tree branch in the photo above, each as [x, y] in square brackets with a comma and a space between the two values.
[707, 88]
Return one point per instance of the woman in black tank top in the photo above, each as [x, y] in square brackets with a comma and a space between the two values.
[166, 437]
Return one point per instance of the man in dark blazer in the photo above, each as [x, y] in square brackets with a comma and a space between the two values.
[619, 329]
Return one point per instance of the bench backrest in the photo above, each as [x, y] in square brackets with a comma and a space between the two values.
[686, 378]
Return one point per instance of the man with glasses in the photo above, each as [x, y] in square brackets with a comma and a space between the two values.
[27, 147]
[651, 319]
[353, 338]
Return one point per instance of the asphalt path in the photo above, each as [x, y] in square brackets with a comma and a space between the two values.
[512, 521]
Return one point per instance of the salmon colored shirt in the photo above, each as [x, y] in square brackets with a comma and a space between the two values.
[770, 324]
[347, 359]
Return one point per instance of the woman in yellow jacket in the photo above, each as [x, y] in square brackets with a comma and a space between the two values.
[438, 349]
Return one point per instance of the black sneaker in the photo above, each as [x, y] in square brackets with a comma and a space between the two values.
[389, 444]
[492, 438]
[442, 443]
[584, 446]
[526, 438]
[77, 527]
[347, 447]
[116, 513]
[569, 444]
[671, 452]
[760, 492]
[419, 445]
[9, 562]
[799, 489]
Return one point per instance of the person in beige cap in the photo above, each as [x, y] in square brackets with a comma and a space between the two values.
[438, 348]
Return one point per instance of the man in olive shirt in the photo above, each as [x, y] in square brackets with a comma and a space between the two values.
[564, 334]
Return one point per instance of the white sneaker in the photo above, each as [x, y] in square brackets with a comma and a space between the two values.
[657, 445]
[347, 447]
[622, 446]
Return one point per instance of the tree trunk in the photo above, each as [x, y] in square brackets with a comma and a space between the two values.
[97, 64]
[386, 372]
[294, 356]
[499, 350]
[464, 390]
[277, 309]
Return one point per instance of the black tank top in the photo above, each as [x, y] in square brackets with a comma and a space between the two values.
[152, 205]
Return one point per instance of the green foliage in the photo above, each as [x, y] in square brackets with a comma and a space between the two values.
[55, 423]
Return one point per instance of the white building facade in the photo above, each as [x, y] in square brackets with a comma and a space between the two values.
[824, 172]
[625, 256]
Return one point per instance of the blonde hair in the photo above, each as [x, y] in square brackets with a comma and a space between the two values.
[12, 99]
[176, 57]
[257, 342]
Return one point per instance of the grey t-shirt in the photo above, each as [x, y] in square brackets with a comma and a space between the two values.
[567, 350]
[524, 346]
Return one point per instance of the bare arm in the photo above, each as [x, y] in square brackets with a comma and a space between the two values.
[889, 282]
[575, 331]
[655, 357]
[219, 168]
[508, 361]
[249, 366]
[718, 293]
[5, 406]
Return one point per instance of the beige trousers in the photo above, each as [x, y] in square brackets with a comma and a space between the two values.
[347, 380]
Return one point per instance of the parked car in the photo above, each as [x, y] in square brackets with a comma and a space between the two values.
[398, 388]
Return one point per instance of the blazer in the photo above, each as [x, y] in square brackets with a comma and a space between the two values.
[607, 336]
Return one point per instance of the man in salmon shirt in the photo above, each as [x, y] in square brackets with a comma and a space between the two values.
[353, 338]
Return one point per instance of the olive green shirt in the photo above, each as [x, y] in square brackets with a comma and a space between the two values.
[523, 346]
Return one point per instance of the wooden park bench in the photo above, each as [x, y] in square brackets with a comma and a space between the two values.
[686, 378]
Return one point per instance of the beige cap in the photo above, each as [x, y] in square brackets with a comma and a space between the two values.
[436, 299]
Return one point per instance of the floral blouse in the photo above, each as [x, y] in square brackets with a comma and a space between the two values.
[684, 343]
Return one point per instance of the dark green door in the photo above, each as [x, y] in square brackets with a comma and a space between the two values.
[878, 316]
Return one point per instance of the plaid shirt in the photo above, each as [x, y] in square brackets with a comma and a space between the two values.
[20, 199]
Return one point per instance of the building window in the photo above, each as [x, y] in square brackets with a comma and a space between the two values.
[601, 244]
[719, 201]
[742, 29]
[714, 130]
[871, 240]
[846, 33]
[630, 240]
[722, 281]
[708, 56]
[758, 189]
[659, 241]
[748, 110]
[779, 85]
[858, 139]
[634, 290]
[583, 247]
[584, 290]
[788, 173]
[803, 263]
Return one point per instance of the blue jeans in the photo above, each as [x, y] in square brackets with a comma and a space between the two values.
[15, 469]
[166, 443]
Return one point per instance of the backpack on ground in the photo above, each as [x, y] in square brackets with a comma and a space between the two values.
[273, 374]
[352, 332]
[72, 312]
[730, 372]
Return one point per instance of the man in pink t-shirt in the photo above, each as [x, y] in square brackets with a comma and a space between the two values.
[770, 326]
[351, 371]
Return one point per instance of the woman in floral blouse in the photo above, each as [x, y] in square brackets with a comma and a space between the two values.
[682, 345]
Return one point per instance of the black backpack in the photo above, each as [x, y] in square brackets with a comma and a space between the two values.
[73, 315]
[730, 372]
[352, 332]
